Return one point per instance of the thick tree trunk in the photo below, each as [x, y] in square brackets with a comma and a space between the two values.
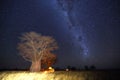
[36, 66]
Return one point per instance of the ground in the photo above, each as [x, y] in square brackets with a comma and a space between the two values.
[60, 75]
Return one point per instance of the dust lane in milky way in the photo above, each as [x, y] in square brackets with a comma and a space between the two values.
[68, 8]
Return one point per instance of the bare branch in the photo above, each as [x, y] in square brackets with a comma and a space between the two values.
[33, 46]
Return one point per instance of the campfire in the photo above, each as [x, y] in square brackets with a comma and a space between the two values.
[50, 70]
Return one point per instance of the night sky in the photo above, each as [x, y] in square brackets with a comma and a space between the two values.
[87, 31]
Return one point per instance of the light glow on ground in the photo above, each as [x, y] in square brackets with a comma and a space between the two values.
[46, 75]
[59, 75]
[27, 76]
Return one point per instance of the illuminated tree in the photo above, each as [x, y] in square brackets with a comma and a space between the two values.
[34, 47]
[48, 60]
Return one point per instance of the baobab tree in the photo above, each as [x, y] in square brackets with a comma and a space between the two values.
[34, 47]
[48, 60]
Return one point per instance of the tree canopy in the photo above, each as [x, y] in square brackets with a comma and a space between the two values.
[34, 47]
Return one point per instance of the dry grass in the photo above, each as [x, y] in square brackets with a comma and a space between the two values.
[57, 75]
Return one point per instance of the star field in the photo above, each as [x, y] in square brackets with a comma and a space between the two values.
[87, 32]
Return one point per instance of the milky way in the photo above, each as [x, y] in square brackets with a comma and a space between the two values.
[69, 11]
[87, 31]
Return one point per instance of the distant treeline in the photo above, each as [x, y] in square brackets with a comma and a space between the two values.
[14, 69]
[77, 69]
[68, 68]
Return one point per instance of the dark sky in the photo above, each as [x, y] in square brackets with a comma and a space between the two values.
[87, 31]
